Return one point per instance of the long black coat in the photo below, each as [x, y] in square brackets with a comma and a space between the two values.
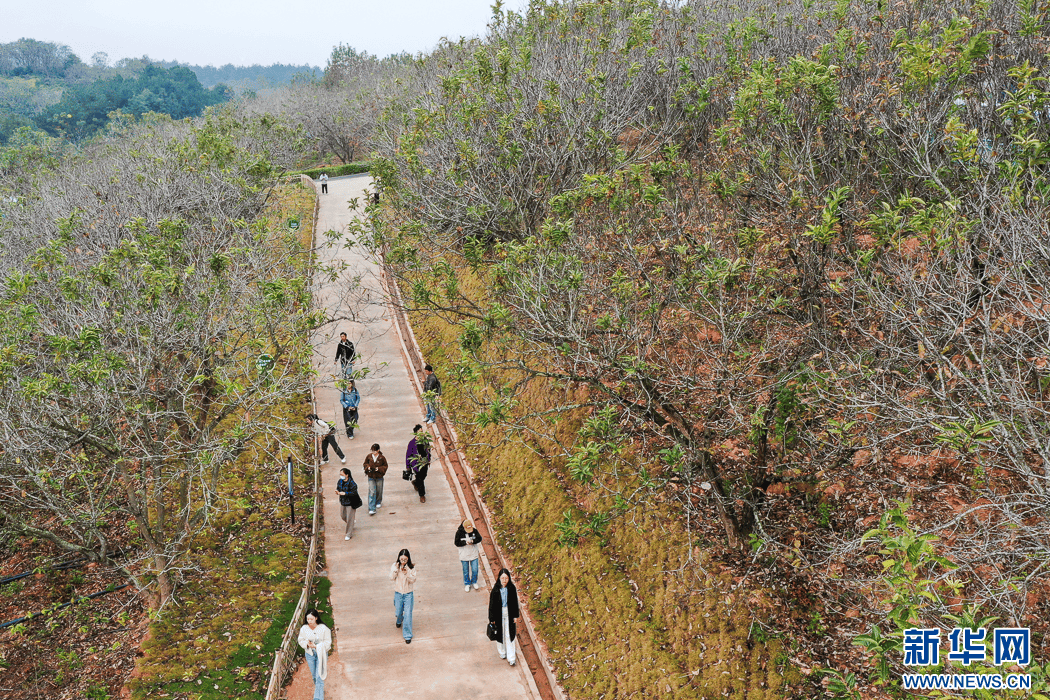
[496, 610]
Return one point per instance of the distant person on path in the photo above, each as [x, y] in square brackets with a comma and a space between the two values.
[349, 501]
[403, 574]
[467, 540]
[324, 183]
[350, 400]
[503, 613]
[417, 460]
[375, 470]
[344, 356]
[327, 433]
[316, 640]
[432, 387]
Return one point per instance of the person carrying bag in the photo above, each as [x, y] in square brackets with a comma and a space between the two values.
[349, 501]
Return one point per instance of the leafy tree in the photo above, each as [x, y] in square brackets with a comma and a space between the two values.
[137, 295]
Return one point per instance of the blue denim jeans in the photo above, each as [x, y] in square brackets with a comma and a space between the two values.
[403, 613]
[431, 413]
[470, 572]
[313, 661]
[375, 493]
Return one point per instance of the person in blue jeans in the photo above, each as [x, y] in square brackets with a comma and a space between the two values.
[403, 574]
[375, 470]
[316, 640]
[467, 540]
[432, 390]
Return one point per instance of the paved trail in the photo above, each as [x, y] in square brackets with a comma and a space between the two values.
[449, 657]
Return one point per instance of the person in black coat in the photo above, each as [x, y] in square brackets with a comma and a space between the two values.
[345, 356]
[503, 614]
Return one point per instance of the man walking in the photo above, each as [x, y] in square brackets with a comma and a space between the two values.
[375, 470]
[417, 460]
[431, 390]
[344, 356]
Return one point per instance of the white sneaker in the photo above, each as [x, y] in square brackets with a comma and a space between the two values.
[324, 461]
[347, 537]
[378, 506]
[371, 512]
[350, 437]
[466, 588]
[343, 460]
[475, 586]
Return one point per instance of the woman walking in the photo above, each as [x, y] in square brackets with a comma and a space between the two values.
[503, 614]
[467, 539]
[375, 469]
[349, 501]
[403, 574]
[350, 400]
[417, 460]
[316, 639]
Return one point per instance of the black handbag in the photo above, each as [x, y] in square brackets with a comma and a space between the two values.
[491, 632]
[407, 475]
[355, 500]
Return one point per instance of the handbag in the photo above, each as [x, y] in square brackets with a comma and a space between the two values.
[407, 475]
[355, 500]
[491, 632]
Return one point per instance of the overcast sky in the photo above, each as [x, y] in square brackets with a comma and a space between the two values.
[243, 33]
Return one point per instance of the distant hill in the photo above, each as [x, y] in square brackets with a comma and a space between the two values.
[253, 77]
[45, 84]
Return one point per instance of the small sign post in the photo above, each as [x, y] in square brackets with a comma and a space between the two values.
[291, 493]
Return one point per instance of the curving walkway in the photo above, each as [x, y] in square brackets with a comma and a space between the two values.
[449, 657]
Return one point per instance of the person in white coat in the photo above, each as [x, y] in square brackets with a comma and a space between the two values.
[316, 639]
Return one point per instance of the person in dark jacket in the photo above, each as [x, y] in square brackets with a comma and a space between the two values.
[349, 500]
[503, 613]
[344, 356]
[467, 540]
[431, 386]
[375, 470]
[417, 460]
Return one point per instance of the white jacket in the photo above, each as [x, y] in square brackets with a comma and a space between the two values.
[321, 636]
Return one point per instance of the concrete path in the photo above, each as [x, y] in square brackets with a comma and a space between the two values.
[450, 657]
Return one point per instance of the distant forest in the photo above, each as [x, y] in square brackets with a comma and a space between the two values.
[248, 77]
[45, 86]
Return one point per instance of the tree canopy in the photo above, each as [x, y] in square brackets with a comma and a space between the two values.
[85, 109]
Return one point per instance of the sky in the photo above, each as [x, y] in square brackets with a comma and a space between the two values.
[217, 32]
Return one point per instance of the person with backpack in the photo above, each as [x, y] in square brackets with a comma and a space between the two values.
[417, 460]
[327, 434]
[375, 470]
[349, 501]
[431, 387]
[345, 355]
[350, 400]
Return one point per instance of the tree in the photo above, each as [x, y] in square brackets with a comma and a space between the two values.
[132, 322]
